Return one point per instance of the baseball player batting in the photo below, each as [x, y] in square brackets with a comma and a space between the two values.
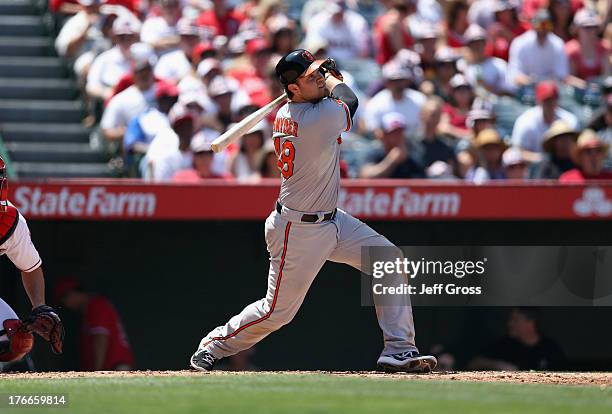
[306, 228]
[16, 338]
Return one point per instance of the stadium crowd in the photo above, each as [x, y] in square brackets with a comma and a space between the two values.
[466, 90]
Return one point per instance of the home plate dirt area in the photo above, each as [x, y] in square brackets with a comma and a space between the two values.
[603, 379]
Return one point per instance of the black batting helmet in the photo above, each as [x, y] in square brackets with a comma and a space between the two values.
[294, 65]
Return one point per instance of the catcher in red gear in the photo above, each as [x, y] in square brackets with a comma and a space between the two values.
[15, 242]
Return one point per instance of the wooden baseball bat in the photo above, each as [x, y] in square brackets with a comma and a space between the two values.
[243, 127]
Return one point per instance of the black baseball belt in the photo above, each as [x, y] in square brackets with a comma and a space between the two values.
[310, 218]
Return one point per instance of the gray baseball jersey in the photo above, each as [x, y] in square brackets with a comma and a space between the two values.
[307, 140]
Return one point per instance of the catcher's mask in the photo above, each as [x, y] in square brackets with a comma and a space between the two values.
[3, 187]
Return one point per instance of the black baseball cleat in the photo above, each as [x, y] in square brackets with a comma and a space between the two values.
[202, 360]
[410, 361]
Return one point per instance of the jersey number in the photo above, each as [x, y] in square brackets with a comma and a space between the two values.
[286, 155]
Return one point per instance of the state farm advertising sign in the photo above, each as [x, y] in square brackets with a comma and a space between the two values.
[370, 200]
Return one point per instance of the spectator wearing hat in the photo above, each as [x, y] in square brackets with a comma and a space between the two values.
[103, 342]
[227, 99]
[208, 70]
[199, 80]
[531, 125]
[346, 31]
[134, 100]
[466, 159]
[110, 66]
[202, 109]
[482, 13]
[588, 55]
[505, 29]
[390, 30]
[486, 72]
[221, 19]
[446, 67]
[252, 77]
[202, 162]
[395, 97]
[175, 65]
[589, 155]
[456, 22]
[282, 34]
[515, 166]
[558, 145]
[243, 163]
[393, 158]
[143, 128]
[537, 54]
[490, 148]
[161, 31]
[203, 50]
[170, 150]
[480, 117]
[427, 39]
[431, 145]
[456, 110]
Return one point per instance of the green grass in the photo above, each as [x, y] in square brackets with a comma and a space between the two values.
[297, 394]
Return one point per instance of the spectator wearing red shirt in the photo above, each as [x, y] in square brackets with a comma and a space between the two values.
[221, 19]
[589, 155]
[253, 77]
[456, 21]
[455, 112]
[391, 31]
[103, 342]
[587, 54]
[507, 26]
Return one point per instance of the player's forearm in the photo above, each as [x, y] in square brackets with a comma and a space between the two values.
[99, 344]
[342, 92]
[34, 285]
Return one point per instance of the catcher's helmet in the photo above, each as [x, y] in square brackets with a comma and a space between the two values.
[295, 64]
[3, 187]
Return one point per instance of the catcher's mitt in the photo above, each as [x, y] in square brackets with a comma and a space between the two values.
[45, 322]
[329, 66]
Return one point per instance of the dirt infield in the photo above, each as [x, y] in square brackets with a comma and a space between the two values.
[602, 379]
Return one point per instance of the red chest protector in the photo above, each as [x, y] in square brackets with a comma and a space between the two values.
[8, 223]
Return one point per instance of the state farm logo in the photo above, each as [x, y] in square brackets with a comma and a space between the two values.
[94, 202]
[401, 202]
[593, 203]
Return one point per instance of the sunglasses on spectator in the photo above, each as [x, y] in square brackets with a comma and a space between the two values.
[125, 37]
